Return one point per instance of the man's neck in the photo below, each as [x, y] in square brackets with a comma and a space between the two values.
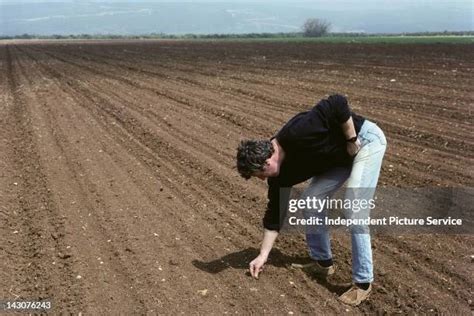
[279, 152]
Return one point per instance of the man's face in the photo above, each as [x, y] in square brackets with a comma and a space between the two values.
[271, 169]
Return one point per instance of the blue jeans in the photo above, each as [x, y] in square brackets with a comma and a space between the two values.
[362, 180]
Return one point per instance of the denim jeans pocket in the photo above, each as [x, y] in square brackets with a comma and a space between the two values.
[372, 134]
[377, 134]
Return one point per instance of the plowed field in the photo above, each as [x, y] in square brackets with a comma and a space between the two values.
[118, 191]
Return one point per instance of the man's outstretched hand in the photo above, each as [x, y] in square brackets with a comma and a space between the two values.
[256, 266]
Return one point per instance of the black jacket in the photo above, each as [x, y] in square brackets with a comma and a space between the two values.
[313, 143]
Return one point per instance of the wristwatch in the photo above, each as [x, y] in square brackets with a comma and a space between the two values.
[352, 140]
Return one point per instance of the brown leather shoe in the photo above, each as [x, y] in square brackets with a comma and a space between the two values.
[315, 268]
[355, 295]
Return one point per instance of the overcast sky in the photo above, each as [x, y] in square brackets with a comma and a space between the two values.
[466, 3]
[231, 16]
[461, 4]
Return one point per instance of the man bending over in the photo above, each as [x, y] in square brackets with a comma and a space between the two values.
[329, 145]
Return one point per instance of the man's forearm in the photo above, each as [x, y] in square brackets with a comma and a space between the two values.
[348, 129]
[269, 237]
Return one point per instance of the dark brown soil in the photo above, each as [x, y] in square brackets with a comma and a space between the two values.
[118, 192]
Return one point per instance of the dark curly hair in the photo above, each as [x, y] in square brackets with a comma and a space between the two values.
[251, 156]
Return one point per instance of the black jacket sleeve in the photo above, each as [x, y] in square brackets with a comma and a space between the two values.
[315, 124]
[277, 206]
[336, 108]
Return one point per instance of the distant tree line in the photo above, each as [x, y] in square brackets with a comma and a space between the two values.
[229, 36]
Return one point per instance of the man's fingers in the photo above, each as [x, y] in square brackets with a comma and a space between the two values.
[255, 267]
[257, 271]
[254, 270]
